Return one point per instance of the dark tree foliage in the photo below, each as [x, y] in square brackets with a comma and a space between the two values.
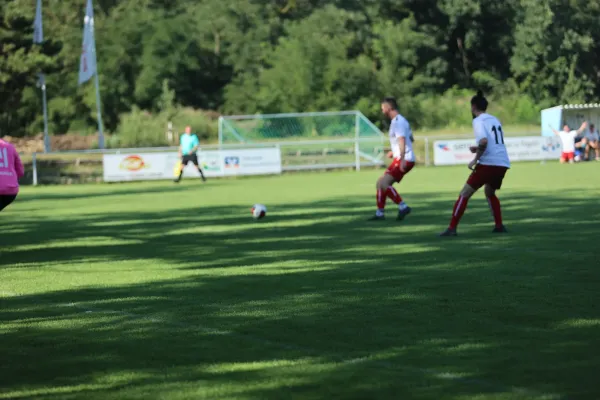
[292, 55]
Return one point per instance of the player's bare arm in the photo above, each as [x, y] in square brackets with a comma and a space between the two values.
[402, 145]
[554, 130]
[481, 147]
[582, 128]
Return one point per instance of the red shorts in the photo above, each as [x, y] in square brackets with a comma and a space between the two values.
[570, 156]
[487, 175]
[394, 169]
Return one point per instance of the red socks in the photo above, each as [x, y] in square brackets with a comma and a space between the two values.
[459, 209]
[393, 195]
[496, 211]
[461, 205]
[380, 199]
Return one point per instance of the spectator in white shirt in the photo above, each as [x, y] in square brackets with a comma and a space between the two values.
[567, 138]
[592, 141]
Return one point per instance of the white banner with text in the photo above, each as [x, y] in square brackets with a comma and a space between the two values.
[530, 148]
[214, 163]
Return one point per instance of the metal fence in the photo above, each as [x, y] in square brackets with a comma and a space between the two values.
[297, 155]
[86, 165]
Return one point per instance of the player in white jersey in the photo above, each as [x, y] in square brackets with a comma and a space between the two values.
[489, 165]
[401, 139]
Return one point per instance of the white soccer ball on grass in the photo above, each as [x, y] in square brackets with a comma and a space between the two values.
[259, 211]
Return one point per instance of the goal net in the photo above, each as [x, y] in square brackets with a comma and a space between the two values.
[309, 140]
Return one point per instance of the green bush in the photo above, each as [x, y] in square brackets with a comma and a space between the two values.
[140, 128]
[452, 110]
[204, 125]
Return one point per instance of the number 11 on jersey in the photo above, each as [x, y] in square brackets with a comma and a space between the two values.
[498, 131]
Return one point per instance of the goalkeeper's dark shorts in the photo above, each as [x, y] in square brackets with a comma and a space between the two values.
[193, 158]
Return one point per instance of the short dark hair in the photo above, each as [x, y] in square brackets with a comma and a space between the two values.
[479, 101]
[592, 126]
[391, 101]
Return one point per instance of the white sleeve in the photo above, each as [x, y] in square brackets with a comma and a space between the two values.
[479, 129]
[399, 129]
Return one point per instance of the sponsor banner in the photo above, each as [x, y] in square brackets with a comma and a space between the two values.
[210, 162]
[149, 166]
[453, 152]
[251, 162]
[132, 167]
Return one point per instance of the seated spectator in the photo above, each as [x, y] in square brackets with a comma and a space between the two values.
[580, 146]
[592, 142]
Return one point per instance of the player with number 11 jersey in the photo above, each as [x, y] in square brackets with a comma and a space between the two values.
[489, 165]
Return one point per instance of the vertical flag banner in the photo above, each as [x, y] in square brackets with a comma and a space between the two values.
[87, 63]
[38, 38]
[88, 66]
[38, 31]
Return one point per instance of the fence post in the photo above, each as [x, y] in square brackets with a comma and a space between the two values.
[427, 162]
[357, 141]
[220, 132]
[34, 166]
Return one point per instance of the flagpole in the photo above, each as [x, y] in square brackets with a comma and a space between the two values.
[99, 108]
[89, 66]
[38, 38]
[45, 106]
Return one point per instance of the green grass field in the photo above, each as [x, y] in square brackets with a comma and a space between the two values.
[158, 291]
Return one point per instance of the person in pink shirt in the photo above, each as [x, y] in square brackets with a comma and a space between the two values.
[11, 169]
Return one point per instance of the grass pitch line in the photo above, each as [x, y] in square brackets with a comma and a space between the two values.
[483, 384]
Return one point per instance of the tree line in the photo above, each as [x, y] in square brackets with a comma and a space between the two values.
[270, 56]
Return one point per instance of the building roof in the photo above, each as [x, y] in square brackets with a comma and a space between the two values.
[580, 106]
[587, 106]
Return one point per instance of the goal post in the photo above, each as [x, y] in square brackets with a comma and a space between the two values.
[316, 140]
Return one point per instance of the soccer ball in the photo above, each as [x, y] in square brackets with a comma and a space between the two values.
[259, 211]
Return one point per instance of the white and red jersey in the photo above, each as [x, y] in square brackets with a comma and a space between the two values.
[400, 128]
[568, 141]
[488, 127]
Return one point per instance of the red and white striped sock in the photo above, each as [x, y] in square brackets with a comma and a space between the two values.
[393, 195]
[459, 209]
[494, 203]
[380, 199]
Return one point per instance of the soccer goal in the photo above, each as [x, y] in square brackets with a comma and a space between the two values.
[317, 140]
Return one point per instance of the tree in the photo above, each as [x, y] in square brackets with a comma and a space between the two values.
[20, 63]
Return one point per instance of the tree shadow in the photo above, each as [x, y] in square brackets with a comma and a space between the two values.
[117, 189]
[312, 302]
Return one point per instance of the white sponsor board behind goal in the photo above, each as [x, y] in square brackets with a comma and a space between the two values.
[214, 163]
[530, 148]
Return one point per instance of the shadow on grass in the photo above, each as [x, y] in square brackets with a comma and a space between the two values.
[117, 189]
[313, 302]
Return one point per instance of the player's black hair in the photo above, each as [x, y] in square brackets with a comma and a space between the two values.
[391, 101]
[479, 101]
